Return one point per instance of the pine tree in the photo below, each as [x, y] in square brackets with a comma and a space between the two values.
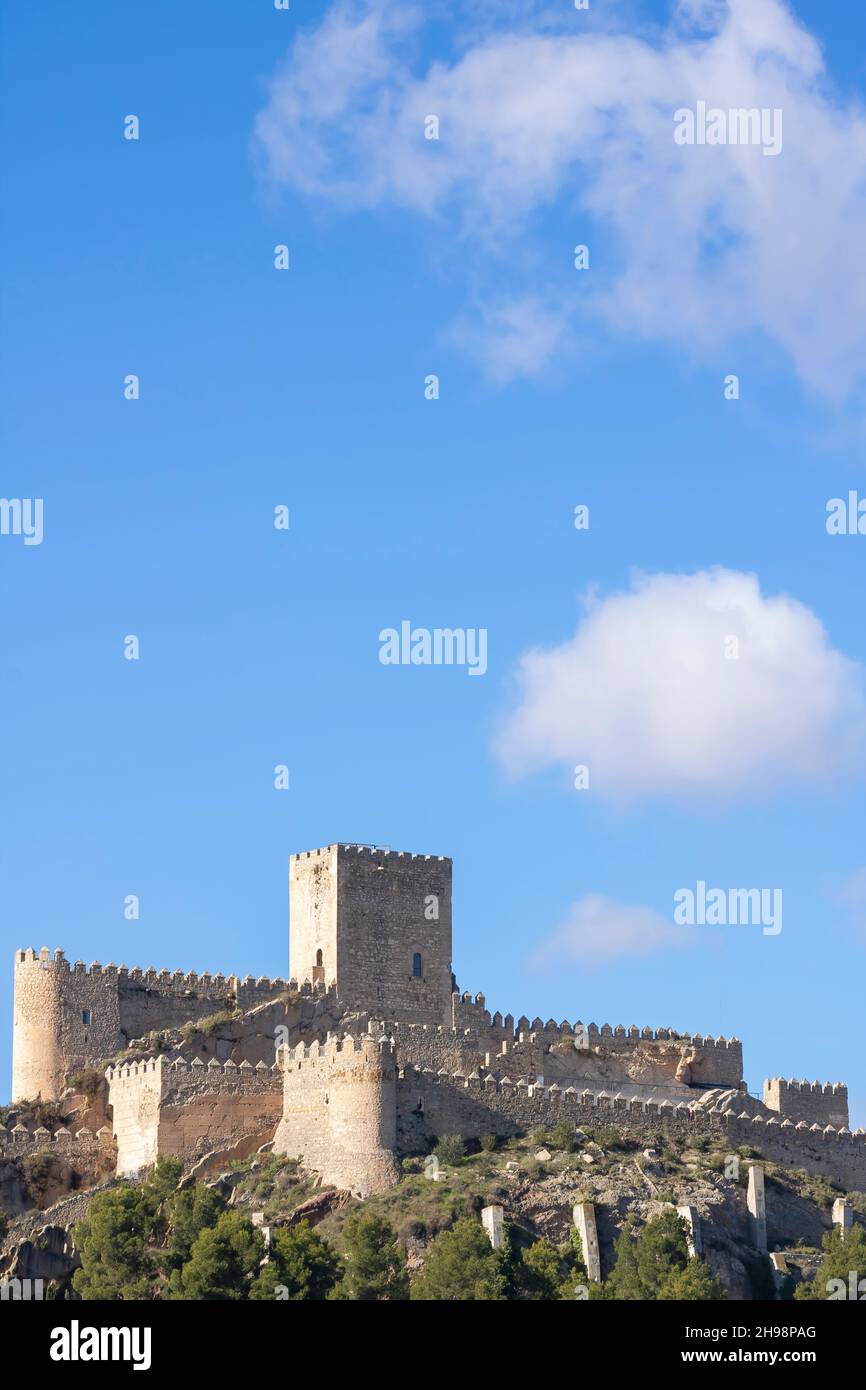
[540, 1272]
[460, 1266]
[301, 1267]
[188, 1212]
[222, 1261]
[694, 1284]
[654, 1263]
[375, 1269]
[844, 1254]
[112, 1242]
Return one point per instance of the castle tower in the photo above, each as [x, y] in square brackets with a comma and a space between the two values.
[38, 1063]
[815, 1102]
[63, 1019]
[72, 1016]
[340, 1112]
[378, 924]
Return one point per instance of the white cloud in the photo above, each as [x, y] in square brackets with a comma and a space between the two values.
[645, 695]
[696, 245]
[598, 930]
[513, 338]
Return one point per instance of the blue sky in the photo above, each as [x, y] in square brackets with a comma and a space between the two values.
[557, 388]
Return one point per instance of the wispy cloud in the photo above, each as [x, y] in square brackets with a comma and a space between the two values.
[598, 930]
[694, 246]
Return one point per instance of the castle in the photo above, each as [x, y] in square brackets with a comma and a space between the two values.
[376, 1053]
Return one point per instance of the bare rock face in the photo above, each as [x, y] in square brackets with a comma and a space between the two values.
[667, 1065]
[13, 1189]
[792, 1217]
[49, 1255]
[85, 1109]
[732, 1102]
[683, 1071]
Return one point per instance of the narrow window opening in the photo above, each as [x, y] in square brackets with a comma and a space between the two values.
[417, 966]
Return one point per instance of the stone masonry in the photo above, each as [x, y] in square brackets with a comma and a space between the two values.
[810, 1101]
[377, 1054]
[378, 924]
[66, 1017]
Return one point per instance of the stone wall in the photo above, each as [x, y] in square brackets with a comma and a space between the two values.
[814, 1102]
[368, 913]
[426, 1046]
[430, 1105]
[663, 1064]
[340, 1112]
[67, 1017]
[313, 947]
[564, 1049]
[79, 1158]
[187, 1110]
[84, 1143]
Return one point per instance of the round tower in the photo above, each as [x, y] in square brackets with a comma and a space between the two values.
[38, 1063]
[340, 1112]
[362, 1113]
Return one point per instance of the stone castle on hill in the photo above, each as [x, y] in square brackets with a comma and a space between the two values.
[375, 1054]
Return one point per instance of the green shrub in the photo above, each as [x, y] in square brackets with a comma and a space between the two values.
[533, 1170]
[374, 1266]
[562, 1136]
[32, 1113]
[460, 1266]
[844, 1250]
[540, 1272]
[87, 1081]
[653, 1263]
[608, 1139]
[36, 1171]
[412, 1230]
[488, 1142]
[223, 1261]
[450, 1149]
[210, 1025]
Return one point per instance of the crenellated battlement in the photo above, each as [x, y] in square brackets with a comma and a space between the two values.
[432, 1103]
[189, 981]
[319, 989]
[167, 1074]
[340, 1110]
[186, 1107]
[22, 1139]
[385, 851]
[468, 1012]
[71, 1015]
[525, 1027]
[822, 1088]
[484, 1082]
[813, 1101]
[340, 1048]
[565, 1051]
[407, 1055]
